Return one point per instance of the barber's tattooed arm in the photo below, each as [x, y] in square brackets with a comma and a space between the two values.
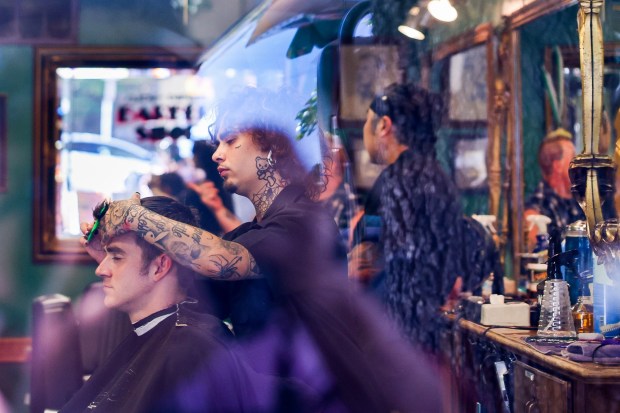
[191, 247]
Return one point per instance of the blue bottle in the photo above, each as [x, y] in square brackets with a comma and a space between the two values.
[577, 239]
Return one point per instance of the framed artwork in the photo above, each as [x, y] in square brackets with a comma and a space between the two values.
[470, 170]
[365, 71]
[3, 137]
[468, 96]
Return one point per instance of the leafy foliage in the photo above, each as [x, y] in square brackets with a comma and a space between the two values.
[307, 117]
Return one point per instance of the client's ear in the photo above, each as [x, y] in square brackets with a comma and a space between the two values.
[160, 266]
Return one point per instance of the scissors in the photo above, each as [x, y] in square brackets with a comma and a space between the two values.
[98, 215]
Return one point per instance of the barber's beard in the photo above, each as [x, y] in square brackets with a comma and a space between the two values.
[230, 187]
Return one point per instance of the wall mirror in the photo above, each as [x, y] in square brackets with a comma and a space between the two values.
[463, 73]
[106, 119]
[566, 110]
[534, 32]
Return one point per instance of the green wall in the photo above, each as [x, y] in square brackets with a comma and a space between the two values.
[20, 279]
[113, 22]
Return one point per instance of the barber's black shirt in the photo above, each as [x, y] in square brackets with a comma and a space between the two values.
[294, 244]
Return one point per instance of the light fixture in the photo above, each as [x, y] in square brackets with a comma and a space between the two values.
[188, 7]
[412, 27]
[442, 10]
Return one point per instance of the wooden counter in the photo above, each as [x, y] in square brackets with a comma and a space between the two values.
[536, 382]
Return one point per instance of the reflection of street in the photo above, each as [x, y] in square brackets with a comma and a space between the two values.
[92, 168]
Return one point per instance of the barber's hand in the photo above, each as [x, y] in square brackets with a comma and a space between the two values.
[118, 218]
[94, 248]
[209, 195]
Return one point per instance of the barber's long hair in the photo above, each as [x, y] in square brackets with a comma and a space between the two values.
[270, 117]
[413, 111]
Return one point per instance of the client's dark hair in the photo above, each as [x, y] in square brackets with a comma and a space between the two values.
[172, 209]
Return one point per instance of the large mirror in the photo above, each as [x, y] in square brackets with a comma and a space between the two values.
[568, 111]
[467, 122]
[106, 121]
[544, 80]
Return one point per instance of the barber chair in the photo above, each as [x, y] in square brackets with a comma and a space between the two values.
[68, 346]
[100, 329]
[56, 365]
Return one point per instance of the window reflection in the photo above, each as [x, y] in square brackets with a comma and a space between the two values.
[118, 127]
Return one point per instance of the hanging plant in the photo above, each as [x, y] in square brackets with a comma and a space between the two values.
[307, 117]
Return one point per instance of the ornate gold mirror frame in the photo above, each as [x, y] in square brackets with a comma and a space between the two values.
[46, 244]
[508, 89]
[592, 173]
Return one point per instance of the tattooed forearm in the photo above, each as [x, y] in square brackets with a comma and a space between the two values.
[193, 247]
[224, 267]
[179, 229]
[228, 269]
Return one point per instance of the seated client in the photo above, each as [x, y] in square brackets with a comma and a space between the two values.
[177, 359]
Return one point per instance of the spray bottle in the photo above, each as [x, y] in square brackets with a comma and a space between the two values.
[556, 318]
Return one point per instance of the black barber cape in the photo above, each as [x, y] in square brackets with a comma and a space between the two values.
[182, 364]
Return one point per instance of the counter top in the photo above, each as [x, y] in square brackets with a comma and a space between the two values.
[512, 339]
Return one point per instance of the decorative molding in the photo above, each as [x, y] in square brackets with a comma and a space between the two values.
[479, 35]
[535, 10]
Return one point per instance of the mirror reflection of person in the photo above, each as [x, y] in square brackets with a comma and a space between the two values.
[420, 213]
[176, 358]
[218, 217]
[290, 299]
[553, 197]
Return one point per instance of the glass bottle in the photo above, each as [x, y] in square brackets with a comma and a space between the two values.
[583, 313]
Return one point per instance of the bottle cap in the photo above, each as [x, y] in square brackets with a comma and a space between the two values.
[577, 229]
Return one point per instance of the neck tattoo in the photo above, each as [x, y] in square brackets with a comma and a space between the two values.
[263, 199]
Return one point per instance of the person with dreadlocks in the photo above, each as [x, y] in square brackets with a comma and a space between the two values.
[419, 209]
[289, 301]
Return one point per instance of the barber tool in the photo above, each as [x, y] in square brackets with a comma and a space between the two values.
[98, 215]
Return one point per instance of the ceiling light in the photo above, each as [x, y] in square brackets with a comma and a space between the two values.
[442, 10]
[412, 26]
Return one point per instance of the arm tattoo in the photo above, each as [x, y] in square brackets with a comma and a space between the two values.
[199, 250]
[227, 268]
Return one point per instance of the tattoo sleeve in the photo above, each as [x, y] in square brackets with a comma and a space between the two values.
[195, 248]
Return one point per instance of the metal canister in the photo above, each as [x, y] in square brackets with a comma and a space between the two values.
[577, 239]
